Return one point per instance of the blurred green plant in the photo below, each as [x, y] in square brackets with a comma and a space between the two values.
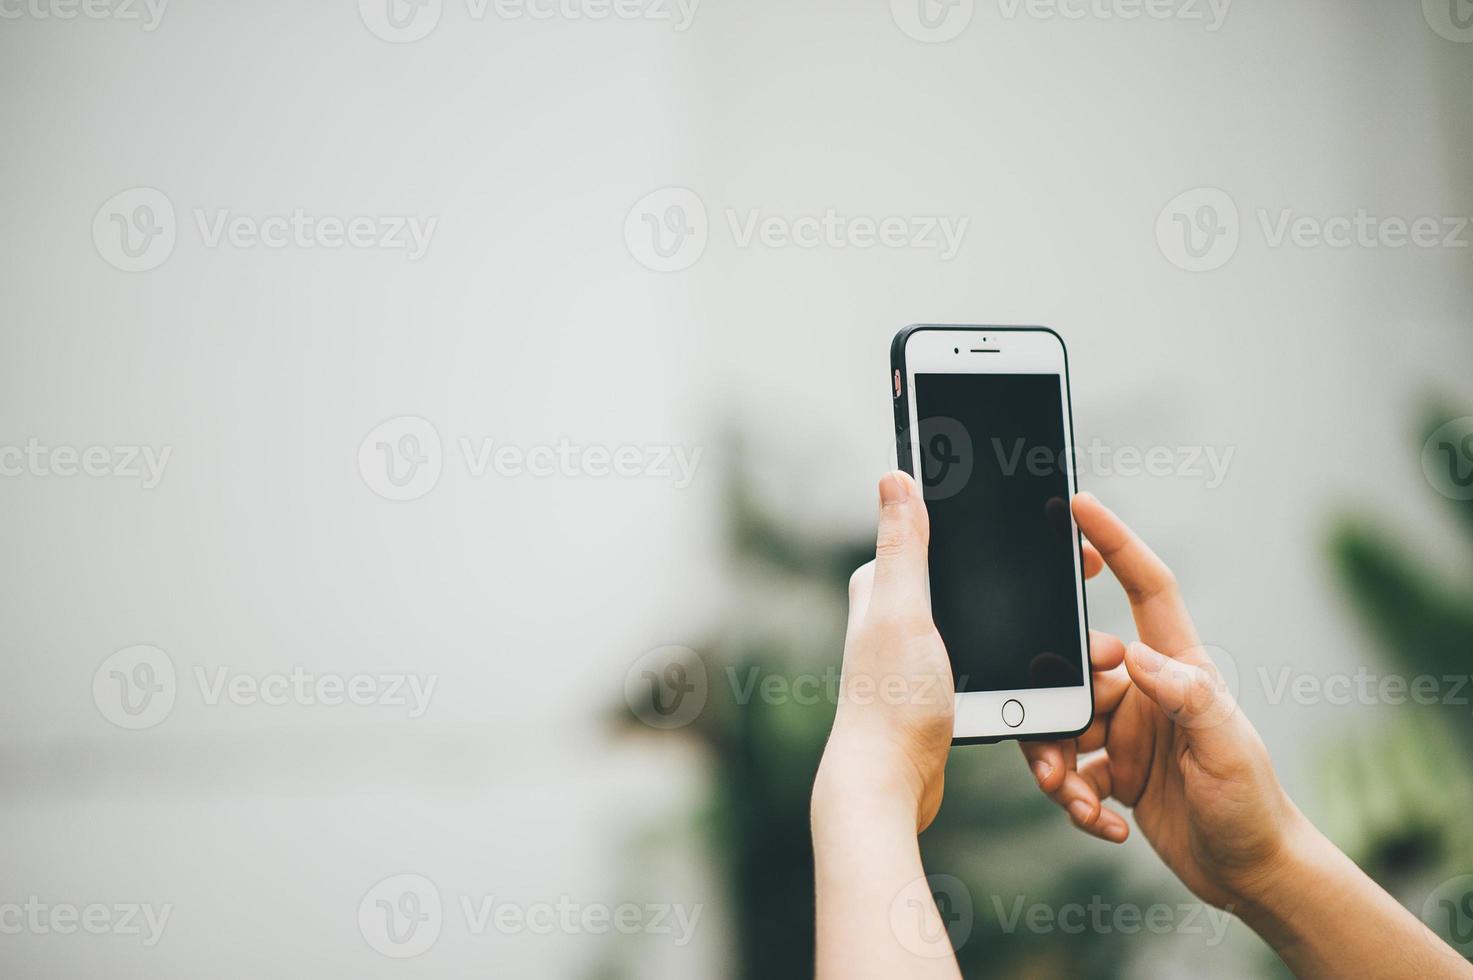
[1399, 792]
[995, 832]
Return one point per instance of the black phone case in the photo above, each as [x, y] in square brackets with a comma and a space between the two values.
[900, 396]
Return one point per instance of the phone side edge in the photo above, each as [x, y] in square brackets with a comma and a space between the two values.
[900, 397]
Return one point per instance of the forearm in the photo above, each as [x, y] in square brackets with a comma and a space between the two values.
[875, 914]
[1326, 918]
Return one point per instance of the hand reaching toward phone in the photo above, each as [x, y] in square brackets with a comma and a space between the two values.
[1176, 748]
[1199, 780]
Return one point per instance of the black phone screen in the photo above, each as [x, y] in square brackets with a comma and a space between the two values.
[997, 483]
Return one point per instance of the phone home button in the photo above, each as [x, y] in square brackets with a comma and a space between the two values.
[1012, 713]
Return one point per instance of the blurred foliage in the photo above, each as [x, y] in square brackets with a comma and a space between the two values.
[1399, 792]
[995, 832]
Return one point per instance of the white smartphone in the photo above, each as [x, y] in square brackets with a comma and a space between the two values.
[983, 422]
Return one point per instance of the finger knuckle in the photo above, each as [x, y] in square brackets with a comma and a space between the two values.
[1161, 581]
[892, 541]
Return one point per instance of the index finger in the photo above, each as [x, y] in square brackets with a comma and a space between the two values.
[1161, 615]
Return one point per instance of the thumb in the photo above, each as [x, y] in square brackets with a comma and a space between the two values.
[1193, 695]
[900, 548]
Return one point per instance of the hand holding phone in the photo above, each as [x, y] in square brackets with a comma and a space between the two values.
[893, 729]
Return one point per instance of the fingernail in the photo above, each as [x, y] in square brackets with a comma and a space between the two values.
[1147, 659]
[1042, 770]
[894, 488]
[1080, 811]
[1117, 832]
[1086, 495]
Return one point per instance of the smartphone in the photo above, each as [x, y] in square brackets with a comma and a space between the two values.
[983, 422]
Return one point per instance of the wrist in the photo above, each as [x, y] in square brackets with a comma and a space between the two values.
[1277, 900]
[862, 784]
